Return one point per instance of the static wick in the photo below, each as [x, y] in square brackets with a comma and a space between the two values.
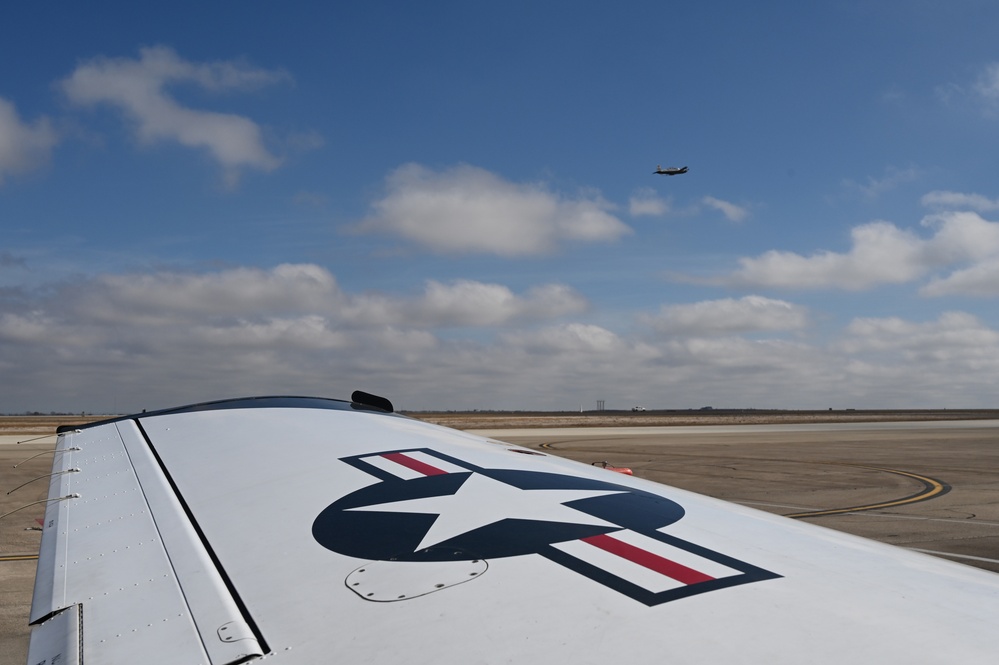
[44, 436]
[47, 475]
[46, 452]
[75, 495]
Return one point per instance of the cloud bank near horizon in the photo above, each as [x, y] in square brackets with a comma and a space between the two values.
[181, 337]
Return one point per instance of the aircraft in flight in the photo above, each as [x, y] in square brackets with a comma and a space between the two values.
[670, 170]
[308, 530]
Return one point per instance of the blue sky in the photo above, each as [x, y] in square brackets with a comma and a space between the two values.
[452, 204]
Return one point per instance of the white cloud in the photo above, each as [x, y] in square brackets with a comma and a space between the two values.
[948, 362]
[465, 303]
[881, 253]
[302, 332]
[171, 296]
[473, 303]
[981, 279]
[647, 203]
[729, 316]
[139, 89]
[956, 343]
[23, 147]
[960, 236]
[569, 339]
[731, 211]
[964, 238]
[739, 358]
[292, 328]
[950, 200]
[466, 209]
[167, 338]
[292, 291]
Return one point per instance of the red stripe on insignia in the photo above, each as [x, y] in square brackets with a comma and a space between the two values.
[647, 559]
[414, 464]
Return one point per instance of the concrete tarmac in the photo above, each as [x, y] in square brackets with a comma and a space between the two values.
[930, 486]
[20, 536]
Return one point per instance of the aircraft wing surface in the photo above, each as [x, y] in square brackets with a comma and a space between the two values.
[304, 530]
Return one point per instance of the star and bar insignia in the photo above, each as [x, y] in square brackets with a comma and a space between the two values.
[431, 507]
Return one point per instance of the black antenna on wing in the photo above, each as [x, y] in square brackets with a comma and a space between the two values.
[367, 399]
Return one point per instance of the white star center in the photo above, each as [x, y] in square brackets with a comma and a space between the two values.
[481, 501]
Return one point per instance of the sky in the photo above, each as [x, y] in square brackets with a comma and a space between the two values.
[453, 204]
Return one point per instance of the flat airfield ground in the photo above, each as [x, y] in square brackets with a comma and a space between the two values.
[918, 479]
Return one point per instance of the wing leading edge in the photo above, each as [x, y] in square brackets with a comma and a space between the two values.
[314, 530]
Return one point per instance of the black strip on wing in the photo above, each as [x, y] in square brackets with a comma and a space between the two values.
[247, 617]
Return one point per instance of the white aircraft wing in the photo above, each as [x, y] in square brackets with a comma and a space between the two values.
[304, 530]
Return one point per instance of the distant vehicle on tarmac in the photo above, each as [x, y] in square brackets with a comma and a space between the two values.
[638, 408]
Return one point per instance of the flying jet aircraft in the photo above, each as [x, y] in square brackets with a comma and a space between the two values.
[308, 530]
[670, 170]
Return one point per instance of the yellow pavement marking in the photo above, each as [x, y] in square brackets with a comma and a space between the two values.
[932, 488]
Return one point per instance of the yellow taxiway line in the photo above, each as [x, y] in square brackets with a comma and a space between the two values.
[931, 488]
[19, 557]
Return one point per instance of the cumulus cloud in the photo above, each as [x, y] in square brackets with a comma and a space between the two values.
[465, 303]
[951, 200]
[287, 309]
[172, 296]
[732, 212]
[569, 339]
[295, 290]
[729, 316]
[23, 146]
[139, 88]
[467, 209]
[981, 279]
[167, 338]
[298, 332]
[473, 303]
[960, 236]
[956, 344]
[881, 253]
[967, 240]
[291, 328]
